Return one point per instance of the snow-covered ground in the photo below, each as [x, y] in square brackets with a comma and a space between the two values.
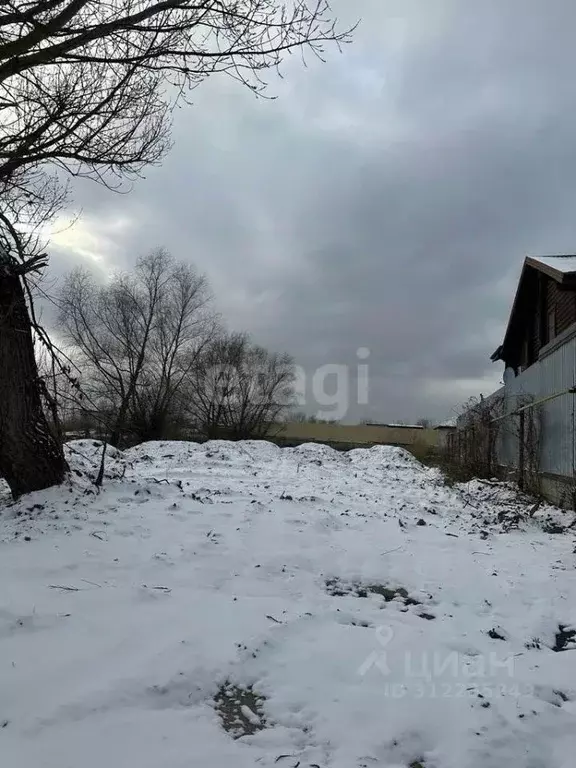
[234, 605]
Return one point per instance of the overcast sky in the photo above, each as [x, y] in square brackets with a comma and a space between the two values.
[385, 200]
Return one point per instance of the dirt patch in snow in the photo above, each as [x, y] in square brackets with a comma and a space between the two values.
[564, 639]
[240, 710]
[338, 588]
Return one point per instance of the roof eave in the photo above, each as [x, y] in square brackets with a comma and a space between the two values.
[567, 279]
[497, 355]
[555, 274]
[500, 351]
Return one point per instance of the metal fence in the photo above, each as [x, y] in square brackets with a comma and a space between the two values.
[551, 377]
[534, 411]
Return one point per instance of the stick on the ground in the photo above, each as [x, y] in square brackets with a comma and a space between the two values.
[389, 551]
[63, 588]
[534, 509]
[93, 583]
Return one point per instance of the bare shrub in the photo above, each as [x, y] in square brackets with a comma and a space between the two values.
[239, 390]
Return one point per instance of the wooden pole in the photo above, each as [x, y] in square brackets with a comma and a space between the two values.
[489, 448]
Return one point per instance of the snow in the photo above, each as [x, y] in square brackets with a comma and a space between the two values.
[250, 715]
[448, 424]
[378, 616]
[563, 264]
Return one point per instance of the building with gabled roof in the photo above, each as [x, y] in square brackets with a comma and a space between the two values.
[543, 314]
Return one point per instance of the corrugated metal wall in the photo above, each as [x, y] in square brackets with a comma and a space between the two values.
[552, 374]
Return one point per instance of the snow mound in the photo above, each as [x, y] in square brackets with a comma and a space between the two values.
[317, 452]
[263, 450]
[226, 450]
[164, 451]
[235, 604]
[85, 456]
[384, 456]
[177, 454]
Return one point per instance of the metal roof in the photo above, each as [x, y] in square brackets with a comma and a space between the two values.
[562, 265]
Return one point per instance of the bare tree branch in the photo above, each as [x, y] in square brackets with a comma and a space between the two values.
[83, 82]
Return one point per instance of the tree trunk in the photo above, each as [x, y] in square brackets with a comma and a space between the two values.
[31, 458]
[115, 436]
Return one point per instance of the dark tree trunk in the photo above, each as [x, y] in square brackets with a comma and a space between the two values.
[31, 458]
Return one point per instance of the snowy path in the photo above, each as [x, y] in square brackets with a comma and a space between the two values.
[127, 612]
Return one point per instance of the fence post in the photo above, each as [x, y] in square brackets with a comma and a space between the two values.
[521, 451]
[489, 448]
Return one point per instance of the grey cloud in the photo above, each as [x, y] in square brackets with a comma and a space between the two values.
[385, 200]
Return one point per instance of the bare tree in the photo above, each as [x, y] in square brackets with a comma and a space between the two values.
[86, 89]
[239, 390]
[184, 327]
[135, 339]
